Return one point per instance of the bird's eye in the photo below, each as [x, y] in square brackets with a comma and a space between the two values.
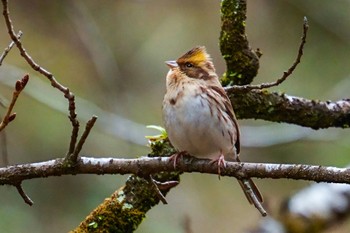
[188, 64]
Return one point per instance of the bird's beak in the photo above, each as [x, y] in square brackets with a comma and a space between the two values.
[171, 64]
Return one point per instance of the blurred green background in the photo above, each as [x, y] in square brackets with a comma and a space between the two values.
[111, 55]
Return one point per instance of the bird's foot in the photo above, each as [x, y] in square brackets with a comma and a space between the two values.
[175, 157]
[221, 163]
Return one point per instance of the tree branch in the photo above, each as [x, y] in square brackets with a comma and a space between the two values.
[21, 192]
[127, 207]
[242, 63]
[279, 107]
[242, 67]
[73, 157]
[287, 73]
[9, 116]
[145, 166]
[8, 48]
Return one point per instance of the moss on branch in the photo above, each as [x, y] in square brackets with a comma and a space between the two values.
[279, 107]
[241, 61]
[125, 209]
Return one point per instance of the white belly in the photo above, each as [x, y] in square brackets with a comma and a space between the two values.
[192, 127]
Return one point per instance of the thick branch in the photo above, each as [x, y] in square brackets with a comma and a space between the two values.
[126, 208]
[144, 166]
[279, 107]
[241, 61]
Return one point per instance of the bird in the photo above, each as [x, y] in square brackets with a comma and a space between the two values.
[198, 115]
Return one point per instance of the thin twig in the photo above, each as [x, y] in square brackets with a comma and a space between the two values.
[74, 156]
[67, 93]
[9, 116]
[9, 47]
[286, 74]
[25, 197]
[156, 189]
[74, 134]
[166, 185]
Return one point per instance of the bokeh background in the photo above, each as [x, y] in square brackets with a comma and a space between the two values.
[111, 55]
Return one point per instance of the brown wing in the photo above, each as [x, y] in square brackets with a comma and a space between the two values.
[229, 111]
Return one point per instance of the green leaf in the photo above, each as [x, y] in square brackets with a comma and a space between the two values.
[163, 134]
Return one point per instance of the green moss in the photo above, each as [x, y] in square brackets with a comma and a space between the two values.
[127, 207]
[114, 218]
[162, 148]
[116, 214]
[242, 62]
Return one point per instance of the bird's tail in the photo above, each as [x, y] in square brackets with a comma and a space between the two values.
[250, 190]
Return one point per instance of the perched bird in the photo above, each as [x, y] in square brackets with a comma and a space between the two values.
[198, 115]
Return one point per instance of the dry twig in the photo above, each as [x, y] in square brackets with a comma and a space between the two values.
[9, 47]
[21, 192]
[160, 196]
[74, 156]
[3, 135]
[9, 116]
[286, 74]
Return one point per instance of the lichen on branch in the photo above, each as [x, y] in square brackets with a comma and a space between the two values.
[280, 107]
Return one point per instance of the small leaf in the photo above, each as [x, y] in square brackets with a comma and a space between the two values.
[161, 136]
[157, 127]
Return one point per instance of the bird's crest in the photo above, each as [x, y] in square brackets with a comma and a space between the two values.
[196, 55]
